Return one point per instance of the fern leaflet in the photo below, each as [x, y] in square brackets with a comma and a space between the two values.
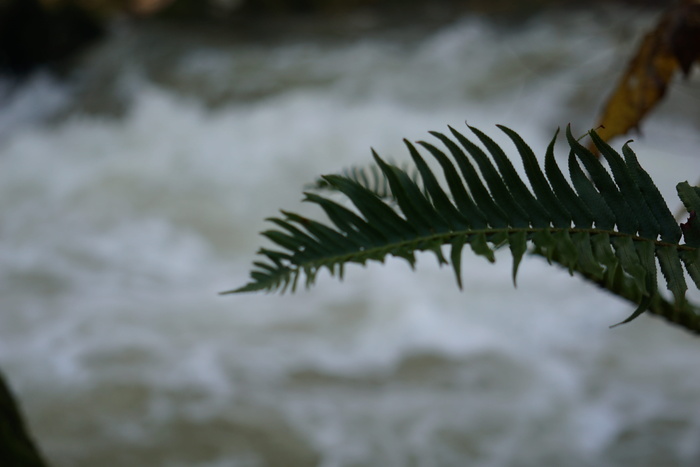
[610, 226]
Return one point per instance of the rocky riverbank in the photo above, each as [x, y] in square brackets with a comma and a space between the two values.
[41, 33]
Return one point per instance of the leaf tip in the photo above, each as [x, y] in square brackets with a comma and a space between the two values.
[640, 309]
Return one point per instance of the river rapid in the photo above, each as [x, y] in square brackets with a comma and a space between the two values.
[133, 191]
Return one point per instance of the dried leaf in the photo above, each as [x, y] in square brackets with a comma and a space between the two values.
[672, 47]
[685, 36]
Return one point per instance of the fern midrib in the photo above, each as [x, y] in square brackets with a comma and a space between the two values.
[686, 316]
[635, 238]
[445, 237]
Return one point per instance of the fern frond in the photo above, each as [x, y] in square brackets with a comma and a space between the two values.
[370, 177]
[610, 226]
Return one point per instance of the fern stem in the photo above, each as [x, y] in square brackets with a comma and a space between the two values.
[683, 316]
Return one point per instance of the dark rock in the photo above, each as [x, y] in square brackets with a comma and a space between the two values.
[32, 36]
[16, 446]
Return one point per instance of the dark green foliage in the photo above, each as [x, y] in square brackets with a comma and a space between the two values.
[610, 226]
[16, 445]
[691, 199]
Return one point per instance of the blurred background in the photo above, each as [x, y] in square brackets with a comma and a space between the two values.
[142, 144]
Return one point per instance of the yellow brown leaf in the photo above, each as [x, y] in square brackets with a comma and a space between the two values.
[673, 46]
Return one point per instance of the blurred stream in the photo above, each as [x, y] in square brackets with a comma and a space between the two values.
[133, 192]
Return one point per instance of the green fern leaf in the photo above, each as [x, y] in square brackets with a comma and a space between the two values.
[515, 216]
[581, 215]
[535, 214]
[691, 199]
[618, 217]
[469, 212]
[672, 270]
[669, 229]
[690, 195]
[691, 260]
[643, 218]
[594, 201]
[493, 213]
[560, 217]
[603, 182]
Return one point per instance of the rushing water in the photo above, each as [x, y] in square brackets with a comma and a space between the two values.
[133, 193]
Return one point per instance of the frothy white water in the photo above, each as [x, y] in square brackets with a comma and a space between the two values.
[118, 232]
